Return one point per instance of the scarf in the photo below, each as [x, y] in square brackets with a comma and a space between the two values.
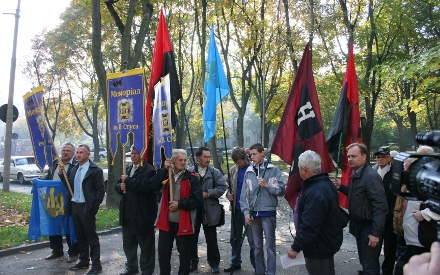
[185, 226]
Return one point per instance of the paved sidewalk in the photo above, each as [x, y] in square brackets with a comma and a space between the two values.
[30, 259]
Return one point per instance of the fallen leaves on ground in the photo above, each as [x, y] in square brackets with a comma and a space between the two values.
[11, 217]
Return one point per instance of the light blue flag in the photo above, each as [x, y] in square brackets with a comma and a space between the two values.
[48, 217]
[216, 87]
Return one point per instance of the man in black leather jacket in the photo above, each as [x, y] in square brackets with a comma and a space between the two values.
[367, 207]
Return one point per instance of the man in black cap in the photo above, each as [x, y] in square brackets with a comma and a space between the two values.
[384, 169]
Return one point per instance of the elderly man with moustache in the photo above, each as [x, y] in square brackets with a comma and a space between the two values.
[177, 213]
[56, 242]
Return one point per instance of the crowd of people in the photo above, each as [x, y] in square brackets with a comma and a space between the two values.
[179, 200]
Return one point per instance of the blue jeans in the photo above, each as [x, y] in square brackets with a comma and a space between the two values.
[368, 256]
[267, 226]
[237, 234]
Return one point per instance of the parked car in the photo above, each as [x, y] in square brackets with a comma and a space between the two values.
[102, 152]
[23, 169]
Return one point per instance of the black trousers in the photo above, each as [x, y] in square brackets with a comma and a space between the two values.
[389, 248]
[56, 244]
[87, 239]
[213, 254]
[320, 266]
[130, 244]
[165, 247]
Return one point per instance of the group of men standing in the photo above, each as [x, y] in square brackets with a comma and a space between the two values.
[189, 200]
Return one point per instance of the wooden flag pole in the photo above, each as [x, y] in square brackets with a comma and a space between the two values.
[65, 178]
[171, 183]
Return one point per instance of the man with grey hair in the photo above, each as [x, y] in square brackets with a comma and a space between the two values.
[56, 241]
[320, 231]
[86, 180]
[177, 213]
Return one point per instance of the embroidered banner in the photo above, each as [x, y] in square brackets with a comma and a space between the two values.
[126, 109]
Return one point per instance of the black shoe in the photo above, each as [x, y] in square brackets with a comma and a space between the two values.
[54, 255]
[359, 272]
[215, 270]
[192, 268]
[80, 265]
[94, 271]
[129, 272]
[229, 268]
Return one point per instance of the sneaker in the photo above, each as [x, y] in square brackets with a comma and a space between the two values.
[215, 270]
[94, 271]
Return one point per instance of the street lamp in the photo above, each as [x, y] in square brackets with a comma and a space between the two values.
[9, 112]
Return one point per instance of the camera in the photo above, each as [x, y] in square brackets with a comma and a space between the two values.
[422, 178]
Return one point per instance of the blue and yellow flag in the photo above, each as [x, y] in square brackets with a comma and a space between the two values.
[42, 142]
[49, 200]
[162, 126]
[126, 108]
[216, 88]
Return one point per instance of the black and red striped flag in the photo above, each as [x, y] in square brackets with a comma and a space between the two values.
[163, 63]
[346, 126]
[301, 128]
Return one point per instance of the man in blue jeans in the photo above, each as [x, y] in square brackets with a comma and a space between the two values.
[236, 173]
[263, 184]
[367, 206]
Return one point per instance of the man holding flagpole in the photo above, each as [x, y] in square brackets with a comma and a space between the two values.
[177, 213]
[56, 241]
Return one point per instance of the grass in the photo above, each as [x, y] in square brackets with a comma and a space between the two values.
[14, 221]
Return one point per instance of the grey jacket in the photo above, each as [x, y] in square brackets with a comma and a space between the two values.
[267, 199]
[215, 185]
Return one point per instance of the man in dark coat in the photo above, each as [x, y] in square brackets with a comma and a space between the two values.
[137, 214]
[320, 231]
[56, 241]
[86, 180]
[385, 170]
[367, 207]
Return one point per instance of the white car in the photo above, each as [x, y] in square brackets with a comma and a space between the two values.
[102, 152]
[23, 169]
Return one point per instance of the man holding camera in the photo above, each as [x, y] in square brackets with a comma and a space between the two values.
[367, 206]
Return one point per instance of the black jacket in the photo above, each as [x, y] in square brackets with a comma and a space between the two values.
[320, 232]
[92, 186]
[366, 200]
[389, 195]
[138, 204]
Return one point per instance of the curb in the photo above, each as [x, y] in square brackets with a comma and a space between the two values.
[45, 244]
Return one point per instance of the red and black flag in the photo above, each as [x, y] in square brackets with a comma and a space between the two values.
[163, 63]
[301, 128]
[346, 126]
